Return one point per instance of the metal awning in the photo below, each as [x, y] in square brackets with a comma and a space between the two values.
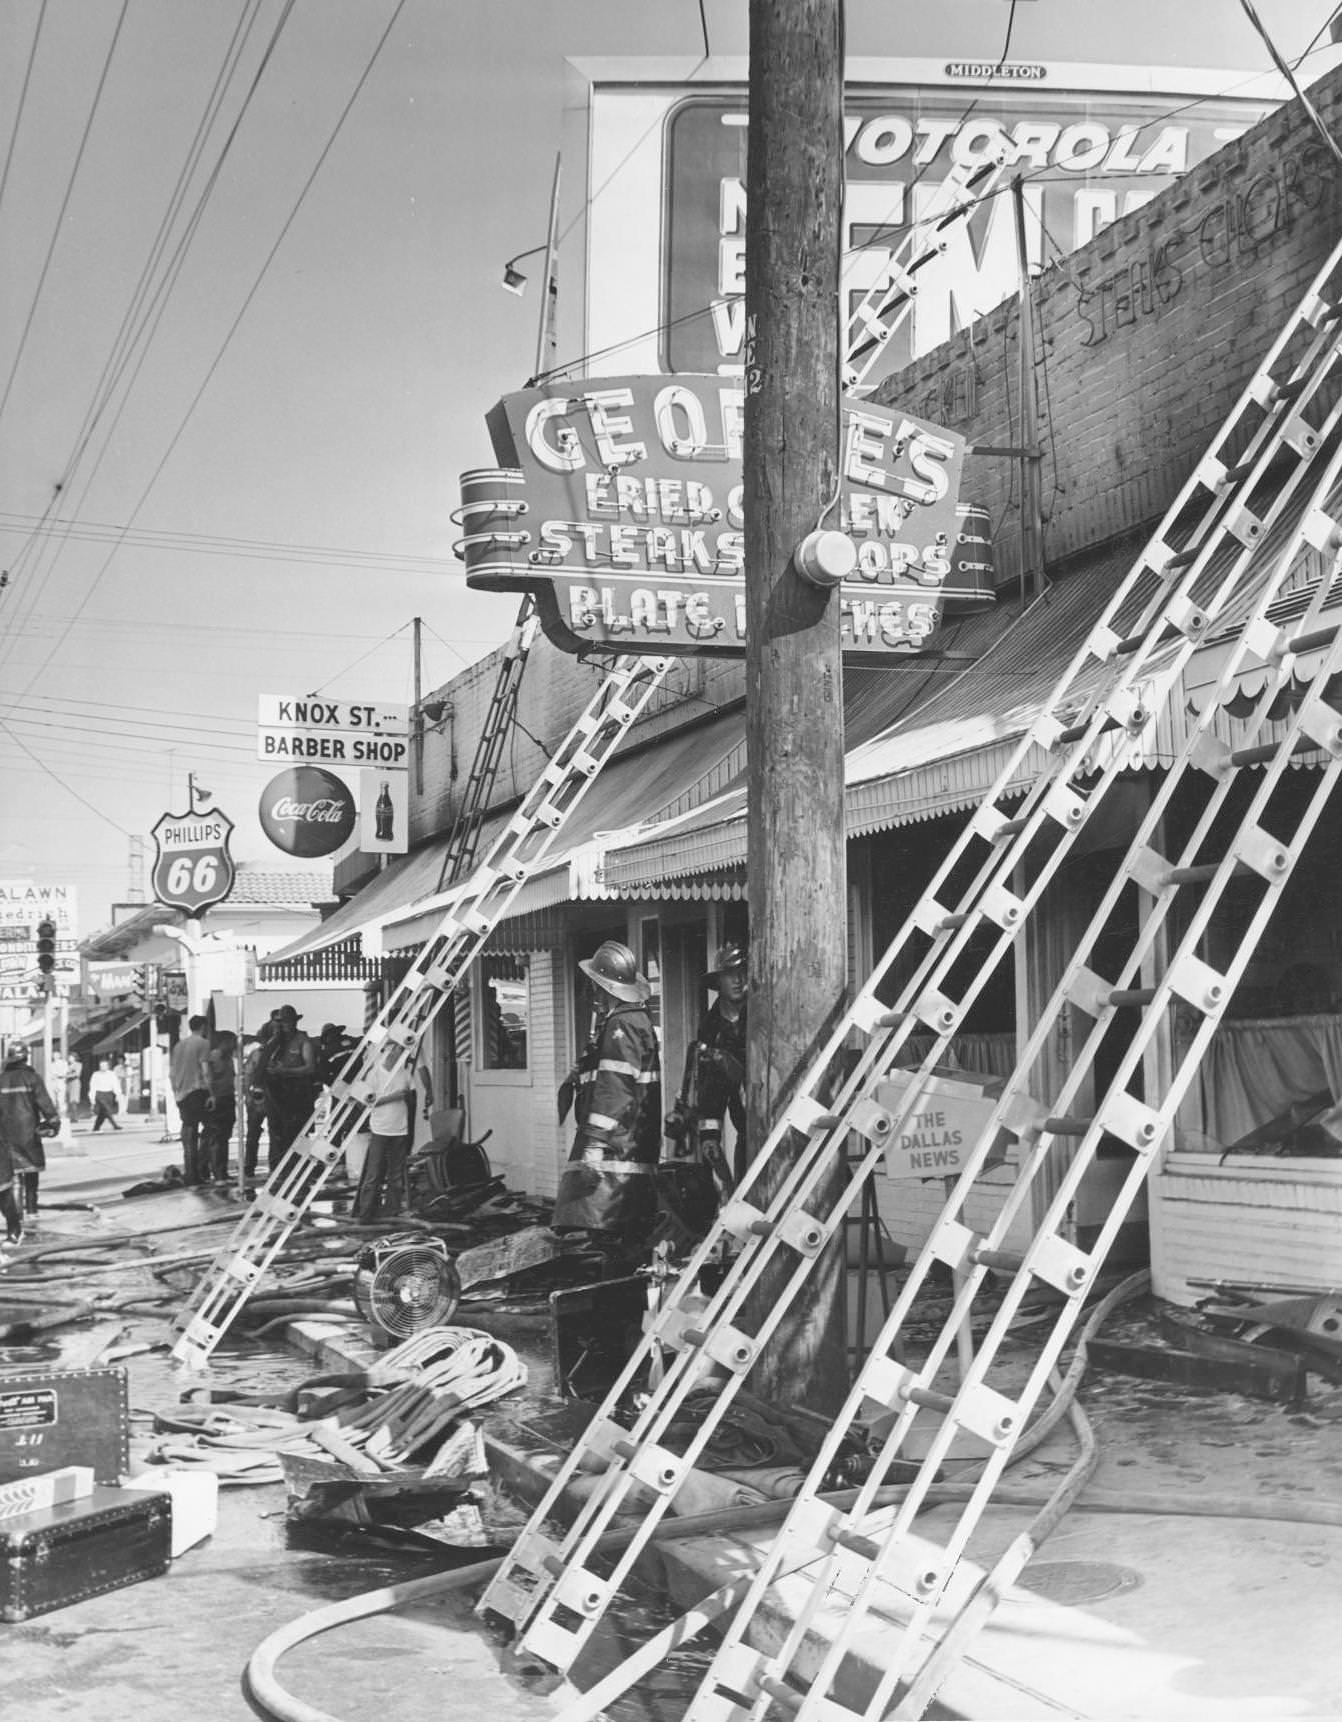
[946, 755]
[114, 1037]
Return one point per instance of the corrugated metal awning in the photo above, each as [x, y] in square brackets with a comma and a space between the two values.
[947, 755]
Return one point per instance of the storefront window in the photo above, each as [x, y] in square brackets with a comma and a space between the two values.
[505, 1017]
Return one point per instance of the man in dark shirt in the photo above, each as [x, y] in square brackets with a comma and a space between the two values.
[719, 1054]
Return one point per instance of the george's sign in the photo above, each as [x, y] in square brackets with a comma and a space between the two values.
[306, 811]
[619, 503]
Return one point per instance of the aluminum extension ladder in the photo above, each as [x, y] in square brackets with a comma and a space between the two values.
[464, 836]
[889, 300]
[1223, 552]
[390, 1041]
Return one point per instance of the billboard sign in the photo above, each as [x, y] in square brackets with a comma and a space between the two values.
[619, 502]
[193, 868]
[24, 905]
[667, 252]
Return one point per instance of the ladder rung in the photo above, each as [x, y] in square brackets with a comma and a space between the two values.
[781, 1692]
[1265, 752]
[1310, 642]
[1122, 996]
[1065, 1126]
[867, 1547]
[1192, 875]
[929, 1398]
[1009, 828]
[1004, 1261]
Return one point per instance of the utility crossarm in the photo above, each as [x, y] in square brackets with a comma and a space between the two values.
[389, 1044]
[1265, 492]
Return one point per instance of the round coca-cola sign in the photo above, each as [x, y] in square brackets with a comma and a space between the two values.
[306, 811]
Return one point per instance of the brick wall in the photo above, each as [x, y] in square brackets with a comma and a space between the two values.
[1145, 337]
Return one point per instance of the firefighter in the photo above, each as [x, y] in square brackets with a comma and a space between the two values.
[719, 1052]
[26, 1116]
[616, 1093]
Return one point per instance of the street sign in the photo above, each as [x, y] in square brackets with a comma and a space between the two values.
[192, 865]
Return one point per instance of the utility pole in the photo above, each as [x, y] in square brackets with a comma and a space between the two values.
[418, 696]
[796, 867]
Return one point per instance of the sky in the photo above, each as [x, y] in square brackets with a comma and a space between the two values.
[250, 324]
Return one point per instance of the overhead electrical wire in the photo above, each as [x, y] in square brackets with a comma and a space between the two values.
[235, 324]
[1288, 72]
[60, 214]
[125, 341]
[57, 778]
[133, 323]
[209, 544]
[22, 101]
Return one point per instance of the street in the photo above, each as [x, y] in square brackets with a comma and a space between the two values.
[176, 1646]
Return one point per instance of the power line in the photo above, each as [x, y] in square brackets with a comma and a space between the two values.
[237, 321]
[55, 776]
[23, 99]
[270, 550]
[65, 204]
[124, 342]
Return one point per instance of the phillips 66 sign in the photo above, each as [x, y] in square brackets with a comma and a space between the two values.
[192, 865]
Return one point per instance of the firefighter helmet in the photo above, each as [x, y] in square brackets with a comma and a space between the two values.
[614, 968]
[731, 959]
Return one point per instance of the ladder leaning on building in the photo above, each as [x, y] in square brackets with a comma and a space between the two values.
[1273, 468]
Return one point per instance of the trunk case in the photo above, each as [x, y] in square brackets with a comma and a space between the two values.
[79, 1549]
[59, 1417]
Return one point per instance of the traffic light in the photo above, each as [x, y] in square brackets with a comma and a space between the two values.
[142, 984]
[46, 946]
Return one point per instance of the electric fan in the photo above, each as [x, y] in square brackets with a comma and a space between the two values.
[405, 1284]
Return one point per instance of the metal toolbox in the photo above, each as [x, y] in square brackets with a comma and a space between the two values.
[67, 1553]
[59, 1417]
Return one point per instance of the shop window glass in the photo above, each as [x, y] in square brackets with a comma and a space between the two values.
[505, 1018]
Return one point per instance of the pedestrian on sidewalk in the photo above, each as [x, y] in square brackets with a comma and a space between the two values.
[191, 1091]
[221, 1109]
[105, 1093]
[254, 1050]
[290, 1082]
[27, 1114]
[384, 1185]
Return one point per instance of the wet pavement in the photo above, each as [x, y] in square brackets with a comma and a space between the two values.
[1153, 1615]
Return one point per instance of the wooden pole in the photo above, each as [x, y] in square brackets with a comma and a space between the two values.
[796, 874]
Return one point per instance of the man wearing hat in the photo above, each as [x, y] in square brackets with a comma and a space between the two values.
[26, 1115]
[290, 1081]
[719, 1052]
[616, 1089]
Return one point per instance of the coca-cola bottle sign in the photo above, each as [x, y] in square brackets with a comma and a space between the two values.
[307, 811]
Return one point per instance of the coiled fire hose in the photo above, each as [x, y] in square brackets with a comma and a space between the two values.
[275, 1701]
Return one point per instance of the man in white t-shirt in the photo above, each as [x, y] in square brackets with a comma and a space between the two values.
[383, 1190]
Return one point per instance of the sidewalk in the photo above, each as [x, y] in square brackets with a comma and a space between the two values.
[1153, 1616]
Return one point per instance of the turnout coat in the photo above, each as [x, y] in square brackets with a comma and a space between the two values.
[24, 1106]
[607, 1185]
